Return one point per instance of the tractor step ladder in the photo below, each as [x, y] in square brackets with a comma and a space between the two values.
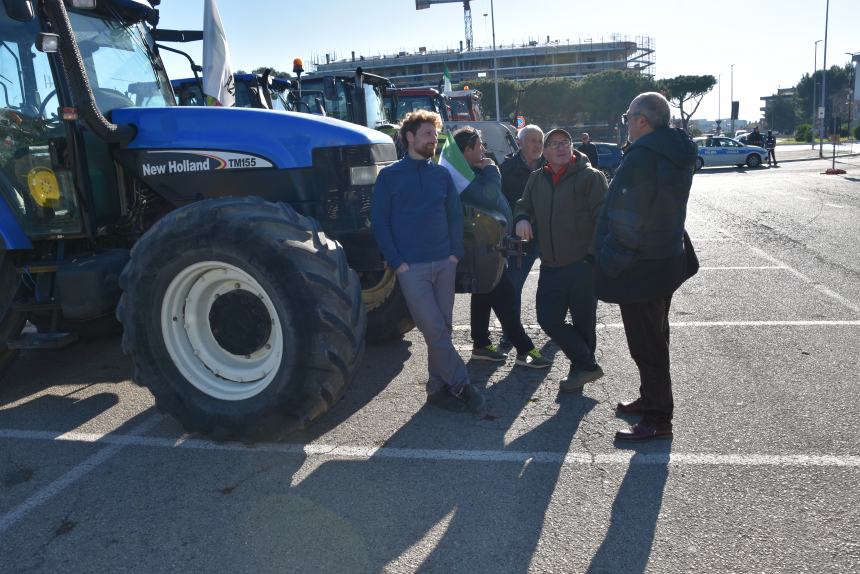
[31, 340]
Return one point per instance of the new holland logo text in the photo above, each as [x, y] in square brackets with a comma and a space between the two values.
[179, 166]
[169, 162]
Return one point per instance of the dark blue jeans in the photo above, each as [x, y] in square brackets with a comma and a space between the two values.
[563, 289]
[518, 270]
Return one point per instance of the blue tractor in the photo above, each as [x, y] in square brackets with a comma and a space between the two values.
[201, 228]
[234, 245]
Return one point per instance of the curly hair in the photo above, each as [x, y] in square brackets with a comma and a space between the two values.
[413, 120]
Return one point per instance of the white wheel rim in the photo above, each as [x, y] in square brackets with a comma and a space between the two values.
[192, 346]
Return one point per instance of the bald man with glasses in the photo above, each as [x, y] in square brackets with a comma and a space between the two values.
[641, 254]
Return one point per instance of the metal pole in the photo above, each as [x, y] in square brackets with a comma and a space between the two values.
[719, 99]
[732, 97]
[814, 92]
[851, 96]
[824, 82]
[495, 64]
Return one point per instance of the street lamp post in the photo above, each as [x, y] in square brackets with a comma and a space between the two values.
[814, 91]
[732, 98]
[851, 94]
[719, 100]
[824, 83]
[495, 63]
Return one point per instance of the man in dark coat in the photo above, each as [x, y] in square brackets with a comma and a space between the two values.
[770, 146]
[589, 149]
[755, 138]
[516, 170]
[639, 252]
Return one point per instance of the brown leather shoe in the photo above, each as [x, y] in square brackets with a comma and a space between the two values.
[641, 432]
[630, 408]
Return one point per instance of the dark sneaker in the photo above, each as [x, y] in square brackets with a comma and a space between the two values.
[577, 378]
[446, 401]
[474, 399]
[489, 353]
[534, 360]
[505, 343]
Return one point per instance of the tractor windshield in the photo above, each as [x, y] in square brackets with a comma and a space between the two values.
[408, 103]
[375, 107]
[122, 67]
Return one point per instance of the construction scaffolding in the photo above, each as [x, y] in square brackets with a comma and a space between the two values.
[527, 61]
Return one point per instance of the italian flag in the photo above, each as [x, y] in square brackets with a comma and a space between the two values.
[452, 159]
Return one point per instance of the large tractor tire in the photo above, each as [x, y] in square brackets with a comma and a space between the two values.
[242, 318]
[387, 313]
[11, 322]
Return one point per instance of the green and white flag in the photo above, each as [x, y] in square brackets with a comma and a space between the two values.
[446, 80]
[452, 159]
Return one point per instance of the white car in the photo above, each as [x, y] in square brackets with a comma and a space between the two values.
[726, 151]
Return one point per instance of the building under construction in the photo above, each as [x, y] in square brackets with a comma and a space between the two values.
[552, 59]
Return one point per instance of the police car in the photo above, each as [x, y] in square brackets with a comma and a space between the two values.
[718, 150]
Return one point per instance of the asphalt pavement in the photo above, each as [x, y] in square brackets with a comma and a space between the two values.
[762, 475]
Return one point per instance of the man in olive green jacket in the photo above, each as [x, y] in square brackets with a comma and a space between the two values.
[559, 208]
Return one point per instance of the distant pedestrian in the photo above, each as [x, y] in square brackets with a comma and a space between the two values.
[560, 207]
[755, 138]
[516, 170]
[417, 219]
[639, 248]
[589, 149]
[770, 146]
[485, 190]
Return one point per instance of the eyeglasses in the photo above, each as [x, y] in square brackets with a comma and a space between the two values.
[558, 145]
[625, 118]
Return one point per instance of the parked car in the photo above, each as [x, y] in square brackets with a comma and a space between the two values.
[608, 156]
[727, 151]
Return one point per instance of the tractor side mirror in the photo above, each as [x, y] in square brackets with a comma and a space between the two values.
[20, 10]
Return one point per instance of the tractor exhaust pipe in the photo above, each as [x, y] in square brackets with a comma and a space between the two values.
[76, 75]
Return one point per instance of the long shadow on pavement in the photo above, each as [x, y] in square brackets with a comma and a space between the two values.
[416, 504]
[628, 542]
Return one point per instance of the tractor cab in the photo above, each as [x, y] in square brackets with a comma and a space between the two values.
[44, 157]
[356, 99]
[250, 92]
[401, 101]
[465, 105]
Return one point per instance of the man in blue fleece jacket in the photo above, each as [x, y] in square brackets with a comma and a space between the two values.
[418, 223]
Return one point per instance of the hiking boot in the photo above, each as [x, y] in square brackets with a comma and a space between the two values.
[474, 399]
[534, 360]
[446, 401]
[577, 378]
[470, 398]
[489, 353]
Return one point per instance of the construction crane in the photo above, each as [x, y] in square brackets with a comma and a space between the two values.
[467, 15]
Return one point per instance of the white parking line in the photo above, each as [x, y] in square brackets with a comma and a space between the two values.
[358, 452]
[818, 287]
[77, 472]
[849, 323]
[800, 197]
[835, 205]
[741, 268]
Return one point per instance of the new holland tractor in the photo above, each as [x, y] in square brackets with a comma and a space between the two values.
[232, 244]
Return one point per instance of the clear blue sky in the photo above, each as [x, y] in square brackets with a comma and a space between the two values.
[770, 42]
